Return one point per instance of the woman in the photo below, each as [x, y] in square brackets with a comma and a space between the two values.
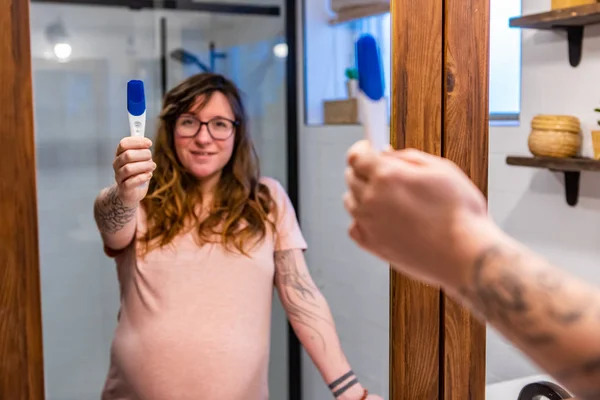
[199, 239]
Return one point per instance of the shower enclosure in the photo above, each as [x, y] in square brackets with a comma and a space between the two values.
[83, 54]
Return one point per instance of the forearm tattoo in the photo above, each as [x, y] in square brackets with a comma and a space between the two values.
[343, 383]
[111, 214]
[538, 307]
[299, 296]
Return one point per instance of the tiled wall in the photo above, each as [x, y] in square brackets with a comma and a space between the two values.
[529, 204]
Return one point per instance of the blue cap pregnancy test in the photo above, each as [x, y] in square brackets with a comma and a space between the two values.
[372, 104]
[136, 107]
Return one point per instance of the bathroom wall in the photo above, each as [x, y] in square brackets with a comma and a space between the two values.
[529, 204]
[80, 117]
[355, 283]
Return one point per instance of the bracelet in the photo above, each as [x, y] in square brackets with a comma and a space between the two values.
[365, 395]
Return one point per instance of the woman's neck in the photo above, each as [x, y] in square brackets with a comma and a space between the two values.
[207, 188]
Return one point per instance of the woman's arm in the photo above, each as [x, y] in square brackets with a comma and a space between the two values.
[312, 321]
[115, 208]
[116, 220]
[424, 215]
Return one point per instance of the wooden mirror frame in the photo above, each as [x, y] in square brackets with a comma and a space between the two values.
[440, 52]
[440, 58]
[21, 357]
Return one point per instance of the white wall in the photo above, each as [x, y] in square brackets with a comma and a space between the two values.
[529, 204]
[80, 117]
[355, 283]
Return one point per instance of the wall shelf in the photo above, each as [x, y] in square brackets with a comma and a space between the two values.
[340, 112]
[572, 20]
[571, 167]
[357, 12]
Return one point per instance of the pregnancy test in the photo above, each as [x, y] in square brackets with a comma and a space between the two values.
[372, 105]
[136, 107]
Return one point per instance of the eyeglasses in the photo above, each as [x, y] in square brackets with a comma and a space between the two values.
[218, 128]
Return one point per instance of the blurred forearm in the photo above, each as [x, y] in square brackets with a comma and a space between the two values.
[548, 314]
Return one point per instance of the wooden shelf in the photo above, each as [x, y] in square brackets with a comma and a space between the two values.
[572, 19]
[571, 167]
[556, 164]
[358, 12]
[588, 14]
[340, 112]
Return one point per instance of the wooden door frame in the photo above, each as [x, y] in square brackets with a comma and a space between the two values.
[21, 355]
[440, 57]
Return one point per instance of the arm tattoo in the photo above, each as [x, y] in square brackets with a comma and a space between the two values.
[341, 379]
[345, 388]
[111, 214]
[336, 386]
[299, 295]
[507, 297]
[538, 307]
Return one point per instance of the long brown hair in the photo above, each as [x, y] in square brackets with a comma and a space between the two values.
[240, 211]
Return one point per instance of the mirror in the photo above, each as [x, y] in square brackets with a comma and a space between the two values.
[83, 56]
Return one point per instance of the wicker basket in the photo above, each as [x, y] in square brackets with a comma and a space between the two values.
[555, 136]
[559, 4]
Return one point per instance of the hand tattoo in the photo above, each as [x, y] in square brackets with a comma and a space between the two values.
[111, 214]
[299, 295]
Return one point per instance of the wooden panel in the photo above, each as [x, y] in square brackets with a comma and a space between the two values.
[573, 16]
[21, 367]
[416, 122]
[465, 141]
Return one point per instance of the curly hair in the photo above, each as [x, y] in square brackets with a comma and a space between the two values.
[239, 213]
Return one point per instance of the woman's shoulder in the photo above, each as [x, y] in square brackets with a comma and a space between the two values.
[275, 187]
[277, 192]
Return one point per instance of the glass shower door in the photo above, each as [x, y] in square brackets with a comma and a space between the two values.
[82, 58]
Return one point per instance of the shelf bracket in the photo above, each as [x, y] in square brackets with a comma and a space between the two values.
[575, 39]
[572, 187]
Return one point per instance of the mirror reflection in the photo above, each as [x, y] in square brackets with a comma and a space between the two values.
[173, 264]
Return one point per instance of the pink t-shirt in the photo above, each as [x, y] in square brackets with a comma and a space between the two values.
[195, 320]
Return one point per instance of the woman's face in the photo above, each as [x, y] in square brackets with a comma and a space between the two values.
[205, 155]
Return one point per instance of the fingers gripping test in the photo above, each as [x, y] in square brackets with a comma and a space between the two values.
[372, 104]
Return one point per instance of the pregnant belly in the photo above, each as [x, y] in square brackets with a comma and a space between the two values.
[163, 360]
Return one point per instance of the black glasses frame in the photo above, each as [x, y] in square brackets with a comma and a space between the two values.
[202, 123]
